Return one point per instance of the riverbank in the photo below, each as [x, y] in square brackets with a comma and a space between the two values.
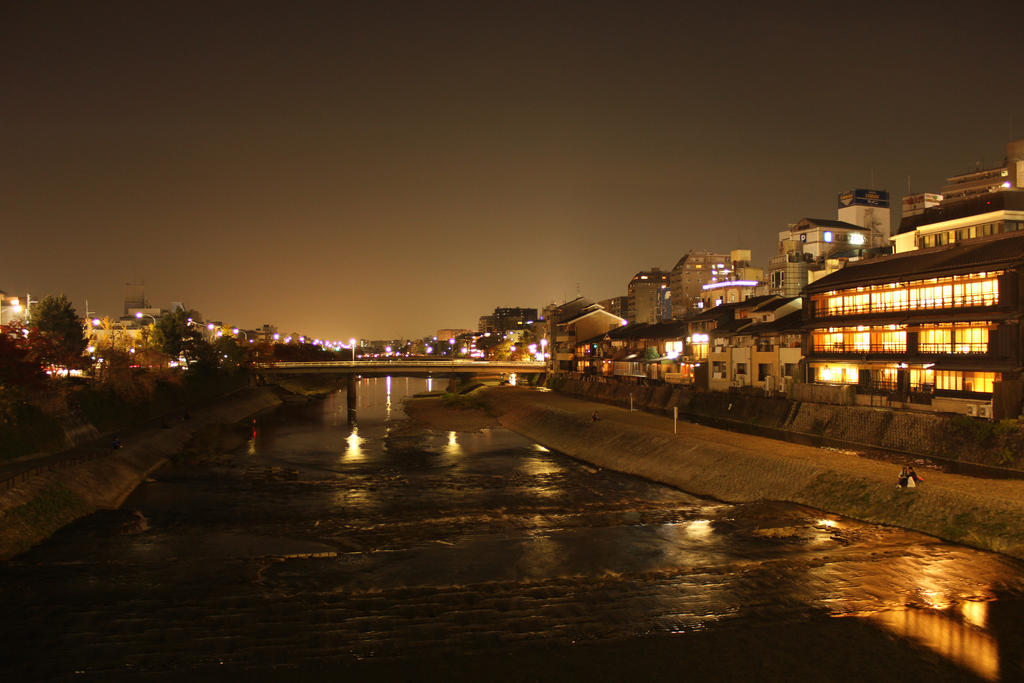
[434, 413]
[965, 444]
[740, 468]
[101, 477]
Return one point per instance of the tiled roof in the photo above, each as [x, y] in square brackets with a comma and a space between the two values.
[731, 327]
[828, 223]
[984, 253]
[792, 322]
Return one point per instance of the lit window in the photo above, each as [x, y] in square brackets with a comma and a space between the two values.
[827, 236]
[856, 238]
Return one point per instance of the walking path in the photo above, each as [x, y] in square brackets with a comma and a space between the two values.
[737, 467]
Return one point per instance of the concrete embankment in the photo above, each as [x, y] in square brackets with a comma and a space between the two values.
[735, 467]
[39, 505]
[924, 434]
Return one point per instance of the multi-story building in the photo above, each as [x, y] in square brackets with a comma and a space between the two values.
[934, 327]
[743, 355]
[506, 319]
[616, 305]
[649, 297]
[992, 213]
[572, 321]
[870, 210]
[694, 270]
[730, 292]
[814, 247]
[1008, 176]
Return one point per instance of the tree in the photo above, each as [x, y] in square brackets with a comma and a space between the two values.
[57, 333]
[178, 335]
[17, 367]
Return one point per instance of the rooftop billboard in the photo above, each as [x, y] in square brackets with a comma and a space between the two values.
[878, 198]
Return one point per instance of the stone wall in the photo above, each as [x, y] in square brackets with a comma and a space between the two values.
[835, 422]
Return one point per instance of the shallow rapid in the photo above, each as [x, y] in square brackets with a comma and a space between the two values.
[391, 550]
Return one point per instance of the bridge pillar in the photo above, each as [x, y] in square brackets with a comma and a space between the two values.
[453, 383]
[351, 382]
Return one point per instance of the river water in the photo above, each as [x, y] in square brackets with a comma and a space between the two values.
[385, 551]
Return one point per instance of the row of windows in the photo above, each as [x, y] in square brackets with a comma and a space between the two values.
[953, 339]
[976, 289]
[889, 339]
[941, 380]
[938, 239]
[949, 338]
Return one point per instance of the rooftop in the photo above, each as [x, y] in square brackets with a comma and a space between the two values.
[994, 252]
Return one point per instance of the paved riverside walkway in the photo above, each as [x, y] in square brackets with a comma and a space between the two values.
[987, 513]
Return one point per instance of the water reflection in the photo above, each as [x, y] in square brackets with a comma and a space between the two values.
[354, 452]
[963, 644]
[441, 536]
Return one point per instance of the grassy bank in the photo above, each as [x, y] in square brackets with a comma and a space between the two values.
[36, 507]
[51, 508]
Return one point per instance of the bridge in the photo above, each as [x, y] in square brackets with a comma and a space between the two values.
[353, 370]
[404, 367]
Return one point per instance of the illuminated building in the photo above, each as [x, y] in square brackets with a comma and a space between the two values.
[992, 213]
[574, 320]
[649, 298]
[1008, 176]
[758, 347]
[974, 204]
[812, 248]
[935, 328]
[694, 270]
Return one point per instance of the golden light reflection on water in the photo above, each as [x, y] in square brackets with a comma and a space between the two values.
[452, 449]
[949, 637]
[975, 612]
[699, 529]
[536, 467]
[354, 452]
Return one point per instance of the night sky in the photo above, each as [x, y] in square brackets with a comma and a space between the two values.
[383, 170]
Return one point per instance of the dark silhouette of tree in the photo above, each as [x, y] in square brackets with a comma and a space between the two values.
[18, 368]
[179, 334]
[56, 333]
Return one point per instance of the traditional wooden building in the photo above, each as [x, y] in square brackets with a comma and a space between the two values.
[936, 327]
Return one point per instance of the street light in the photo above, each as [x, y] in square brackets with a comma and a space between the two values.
[139, 314]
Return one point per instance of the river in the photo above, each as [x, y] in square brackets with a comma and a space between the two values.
[387, 551]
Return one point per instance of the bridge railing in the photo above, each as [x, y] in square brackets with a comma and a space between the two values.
[483, 365]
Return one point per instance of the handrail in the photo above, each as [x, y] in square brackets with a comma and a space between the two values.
[405, 363]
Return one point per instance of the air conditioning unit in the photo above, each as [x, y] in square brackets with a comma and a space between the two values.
[984, 411]
[972, 409]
